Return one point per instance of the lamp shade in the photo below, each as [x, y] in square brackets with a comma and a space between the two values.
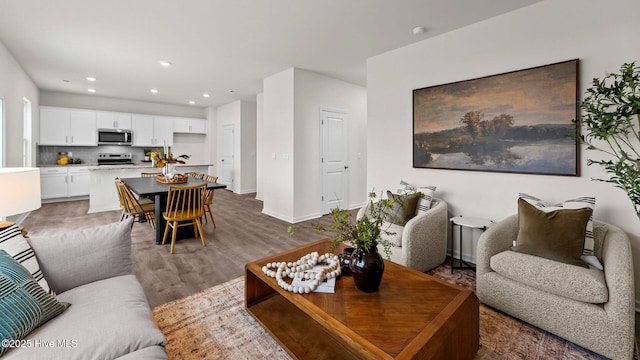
[19, 190]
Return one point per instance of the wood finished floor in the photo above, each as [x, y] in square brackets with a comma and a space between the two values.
[243, 234]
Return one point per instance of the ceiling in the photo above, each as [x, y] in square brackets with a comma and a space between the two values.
[221, 47]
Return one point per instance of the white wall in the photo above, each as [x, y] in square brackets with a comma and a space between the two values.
[313, 92]
[259, 130]
[603, 35]
[242, 115]
[15, 85]
[277, 140]
[248, 128]
[290, 141]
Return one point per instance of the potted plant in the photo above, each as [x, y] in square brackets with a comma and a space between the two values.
[611, 118]
[366, 233]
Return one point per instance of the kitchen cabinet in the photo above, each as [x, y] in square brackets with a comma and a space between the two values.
[61, 126]
[152, 130]
[113, 120]
[61, 182]
[189, 126]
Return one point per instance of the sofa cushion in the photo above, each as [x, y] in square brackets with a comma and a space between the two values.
[108, 319]
[79, 257]
[404, 207]
[12, 241]
[572, 282]
[588, 251]
[150, 353]
[556, 235]
[24, 305]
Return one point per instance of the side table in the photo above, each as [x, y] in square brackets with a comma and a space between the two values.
[468, 222]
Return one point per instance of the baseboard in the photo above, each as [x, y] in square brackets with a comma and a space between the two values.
[244, 192]
[307, 217]
[102, 209]
[357, 206]
[278, 216]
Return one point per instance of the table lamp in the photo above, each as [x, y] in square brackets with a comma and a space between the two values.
[19, 192]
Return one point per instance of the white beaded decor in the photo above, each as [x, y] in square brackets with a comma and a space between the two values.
[298, 269]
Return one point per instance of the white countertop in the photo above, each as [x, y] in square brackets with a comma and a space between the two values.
[138, 165]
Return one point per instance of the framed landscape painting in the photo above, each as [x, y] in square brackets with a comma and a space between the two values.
[517, 122]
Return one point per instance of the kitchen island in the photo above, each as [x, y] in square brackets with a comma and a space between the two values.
[102, 190]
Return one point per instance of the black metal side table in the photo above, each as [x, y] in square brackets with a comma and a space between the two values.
[468, 222]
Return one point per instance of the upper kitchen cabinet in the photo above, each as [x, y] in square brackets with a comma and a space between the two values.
[113, 120]
[151, 130]
[190, 126]
[70, 127]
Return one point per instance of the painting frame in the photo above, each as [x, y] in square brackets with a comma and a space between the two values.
[520, 122]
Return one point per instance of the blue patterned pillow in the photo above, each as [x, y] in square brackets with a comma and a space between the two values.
[23, 303]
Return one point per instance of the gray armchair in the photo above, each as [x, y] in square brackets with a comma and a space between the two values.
[422, 240]
[589, 307]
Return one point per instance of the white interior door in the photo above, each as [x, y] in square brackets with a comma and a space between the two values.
[335, 146]
[227, 155]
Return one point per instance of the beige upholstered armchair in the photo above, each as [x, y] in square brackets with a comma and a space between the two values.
[421, 243]
[590, 307]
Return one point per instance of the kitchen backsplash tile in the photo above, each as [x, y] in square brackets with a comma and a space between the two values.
[87, 154]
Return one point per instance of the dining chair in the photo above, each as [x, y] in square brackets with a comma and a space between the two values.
[185, 206]
[150, 174]
[208, 199]
[132, 206]
[196, 175]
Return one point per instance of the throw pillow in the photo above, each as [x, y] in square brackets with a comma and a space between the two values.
[25, 305]
[556, 235]
[424, 204]
[588, 252]
[404, 207]
[12, 241]
[104, 250]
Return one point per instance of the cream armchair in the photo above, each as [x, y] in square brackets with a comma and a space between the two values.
[422, 240]
[589, 307]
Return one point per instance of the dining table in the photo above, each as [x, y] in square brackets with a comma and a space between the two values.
[150, 187]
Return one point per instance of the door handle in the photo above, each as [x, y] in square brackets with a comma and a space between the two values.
[346, 167]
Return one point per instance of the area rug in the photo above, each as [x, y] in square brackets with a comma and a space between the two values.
[213, 324]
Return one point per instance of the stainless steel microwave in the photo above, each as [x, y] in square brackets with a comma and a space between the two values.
[114, 137]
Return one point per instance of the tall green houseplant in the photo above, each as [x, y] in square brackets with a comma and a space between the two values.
[611, 120]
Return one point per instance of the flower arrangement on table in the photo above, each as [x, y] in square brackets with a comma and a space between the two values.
[163, 158]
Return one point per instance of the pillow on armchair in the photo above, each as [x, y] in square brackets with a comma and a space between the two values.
[588, 252]
[556, 235]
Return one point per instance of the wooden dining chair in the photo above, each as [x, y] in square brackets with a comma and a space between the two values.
[208, 199]
[150, 174]
[132, 206]
[185, 206]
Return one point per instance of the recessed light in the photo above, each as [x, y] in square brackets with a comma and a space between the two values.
[205, 95]
[165, 63]
[91, 90]
[91, 78]
[192, 102]
[419, 30]
[155, 91]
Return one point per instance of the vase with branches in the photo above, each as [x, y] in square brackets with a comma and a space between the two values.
[611, 120]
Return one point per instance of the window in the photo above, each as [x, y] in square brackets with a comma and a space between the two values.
[27, 158]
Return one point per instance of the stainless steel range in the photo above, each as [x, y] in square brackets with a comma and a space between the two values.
[114, 159]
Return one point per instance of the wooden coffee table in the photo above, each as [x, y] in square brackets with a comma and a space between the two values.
[412, 316]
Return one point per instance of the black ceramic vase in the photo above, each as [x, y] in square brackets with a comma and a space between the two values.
[367, 268]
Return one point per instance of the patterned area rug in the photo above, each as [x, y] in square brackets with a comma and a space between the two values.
[213, 324]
